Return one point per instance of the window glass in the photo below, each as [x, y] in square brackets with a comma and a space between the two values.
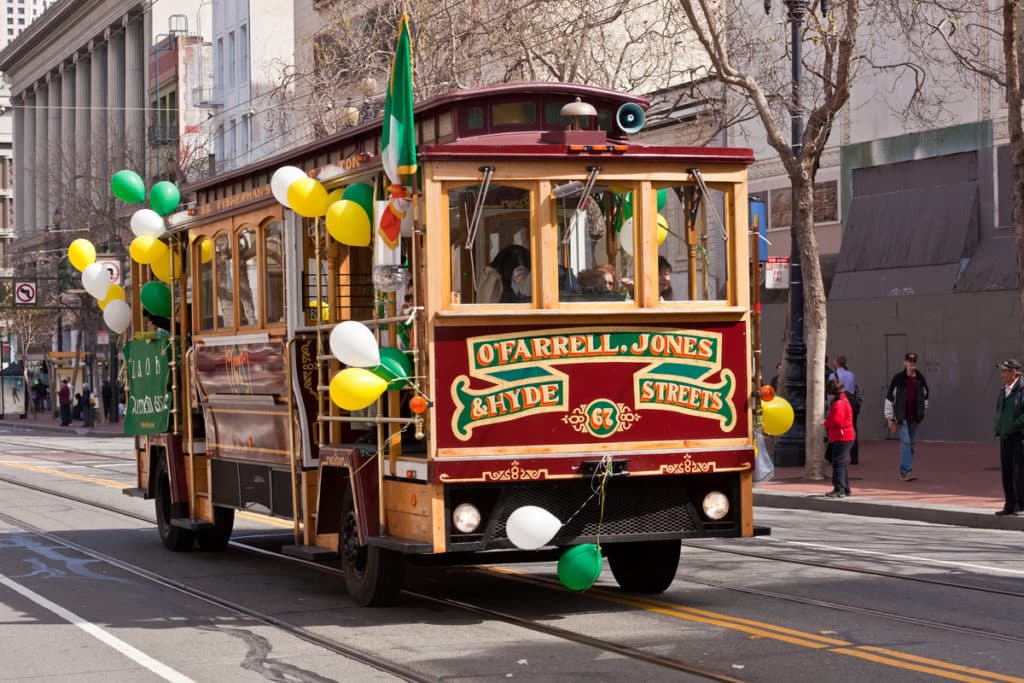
[205, 283]
[225, 283]
[248, 279]
[692, 258]
[273, 257]
[475, 118]
[513, 114]
[495, 265]
[594, 264]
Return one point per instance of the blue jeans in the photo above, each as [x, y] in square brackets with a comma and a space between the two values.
[907, 430]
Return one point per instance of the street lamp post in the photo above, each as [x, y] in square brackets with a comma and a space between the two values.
[790, 447]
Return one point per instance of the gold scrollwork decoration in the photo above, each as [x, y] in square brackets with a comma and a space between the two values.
[689, 466]
[516, 472]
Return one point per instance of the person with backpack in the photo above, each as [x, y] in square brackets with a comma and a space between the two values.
[1009, 427]
[841, 435]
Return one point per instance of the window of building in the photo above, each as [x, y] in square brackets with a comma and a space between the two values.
[230, 80]
[243, 59]
[826, 205]
[220, 85]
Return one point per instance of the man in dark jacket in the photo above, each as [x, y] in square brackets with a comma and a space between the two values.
[1009, 427]
[905, 406]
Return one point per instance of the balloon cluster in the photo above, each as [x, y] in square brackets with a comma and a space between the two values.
[348, 211]
[530, 528]
[371, 370]
[96, 281]
[148, 225]
[626, 226]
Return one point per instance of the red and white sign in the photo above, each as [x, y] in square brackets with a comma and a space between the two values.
[113, 269]
[776, 272]
[102, 337]
[24, 292]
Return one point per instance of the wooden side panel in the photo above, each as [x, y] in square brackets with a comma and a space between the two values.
[408, 506]
[747, 502]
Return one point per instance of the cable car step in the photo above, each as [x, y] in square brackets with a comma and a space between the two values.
[762, 530]
[313, 553]
[135, 493]
[402, 545]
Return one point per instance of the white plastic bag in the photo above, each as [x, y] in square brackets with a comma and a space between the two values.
[764, 468]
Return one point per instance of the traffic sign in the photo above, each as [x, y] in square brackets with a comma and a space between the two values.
[24, 292]
[113, 269]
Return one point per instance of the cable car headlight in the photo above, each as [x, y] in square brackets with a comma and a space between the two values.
[466, 518]
[716, 505]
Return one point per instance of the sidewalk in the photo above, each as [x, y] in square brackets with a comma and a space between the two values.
[43, 422]
[958, 483]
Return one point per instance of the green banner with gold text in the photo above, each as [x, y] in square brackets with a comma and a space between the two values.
[148, 366]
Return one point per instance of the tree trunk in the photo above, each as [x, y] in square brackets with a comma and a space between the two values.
[1011, 55]
[815, 330]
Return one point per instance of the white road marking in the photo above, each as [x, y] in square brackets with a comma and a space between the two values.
[160, 669]
[892, 556]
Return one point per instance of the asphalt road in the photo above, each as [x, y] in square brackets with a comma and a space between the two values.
[825, 597]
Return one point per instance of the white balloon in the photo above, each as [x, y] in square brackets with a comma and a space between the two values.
[354, 345]
[96, 280]
[117, 315]
[626, 236]
[147, 223]
[531, 527]
[282, 178]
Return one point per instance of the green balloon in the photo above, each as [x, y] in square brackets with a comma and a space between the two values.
[156, 298]
[128, 187]
[662, 198]
[580, 566]
[395, 367]
[361, 194]
[164, 197]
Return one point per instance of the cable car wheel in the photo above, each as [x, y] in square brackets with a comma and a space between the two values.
[174, 538]
[217, 536]
[645, 566]
[373, 576]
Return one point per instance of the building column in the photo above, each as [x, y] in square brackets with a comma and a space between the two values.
[42, 169]
[98, 98]
[135, 92]
[24, 164]
[115, 96]
[55, 156]
[67, 133]
[84, 143]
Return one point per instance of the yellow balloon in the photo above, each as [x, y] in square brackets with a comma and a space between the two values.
[115, 293]
[206, 251]
[140, 248]
[162, 269]
[356, 388]
[335, 195]
[348, 223]
[81, 253]
[776, 416]
[662, 229]
[307, 197]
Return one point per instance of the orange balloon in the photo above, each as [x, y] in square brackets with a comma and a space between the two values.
[767, 392]
[418, 405]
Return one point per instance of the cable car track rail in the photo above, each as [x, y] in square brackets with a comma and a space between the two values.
[334, 646]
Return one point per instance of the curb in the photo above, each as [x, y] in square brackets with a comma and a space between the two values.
[958, 516]
[29, 426]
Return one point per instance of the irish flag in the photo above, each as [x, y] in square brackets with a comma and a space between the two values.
[398, 140]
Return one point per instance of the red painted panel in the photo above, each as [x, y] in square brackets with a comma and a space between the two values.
[522, 386]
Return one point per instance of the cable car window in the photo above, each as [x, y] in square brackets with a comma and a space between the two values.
[204, 282]
[248, 279]
[591, 266]
[490, 257]
[513, 114]
[273, 258]
[692, 259]
[225, 283]
[475, 118]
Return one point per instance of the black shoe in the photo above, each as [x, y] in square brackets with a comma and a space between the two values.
[835, 494]
[847, 494]
[1003, 513]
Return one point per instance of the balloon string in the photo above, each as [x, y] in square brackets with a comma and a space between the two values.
[603, 493]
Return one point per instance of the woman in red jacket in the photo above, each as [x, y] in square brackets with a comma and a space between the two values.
[841, 435]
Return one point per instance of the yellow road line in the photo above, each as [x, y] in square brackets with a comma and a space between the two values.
[878, 655]
[110, 483]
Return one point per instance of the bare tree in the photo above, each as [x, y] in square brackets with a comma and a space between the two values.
[638, 48]
[743, 50]
[959, 40]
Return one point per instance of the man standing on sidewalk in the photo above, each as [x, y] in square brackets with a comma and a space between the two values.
[905, 406]
[1010, 430]
[64, 399]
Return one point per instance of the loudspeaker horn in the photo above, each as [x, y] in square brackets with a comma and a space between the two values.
[630, 118]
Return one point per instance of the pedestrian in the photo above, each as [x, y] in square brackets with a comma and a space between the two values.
[76, 407]
[852, 392]
[64, 399]
[841, 435]
[107, 394]
[1009, 427]
[87, 407]
[905, 405]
